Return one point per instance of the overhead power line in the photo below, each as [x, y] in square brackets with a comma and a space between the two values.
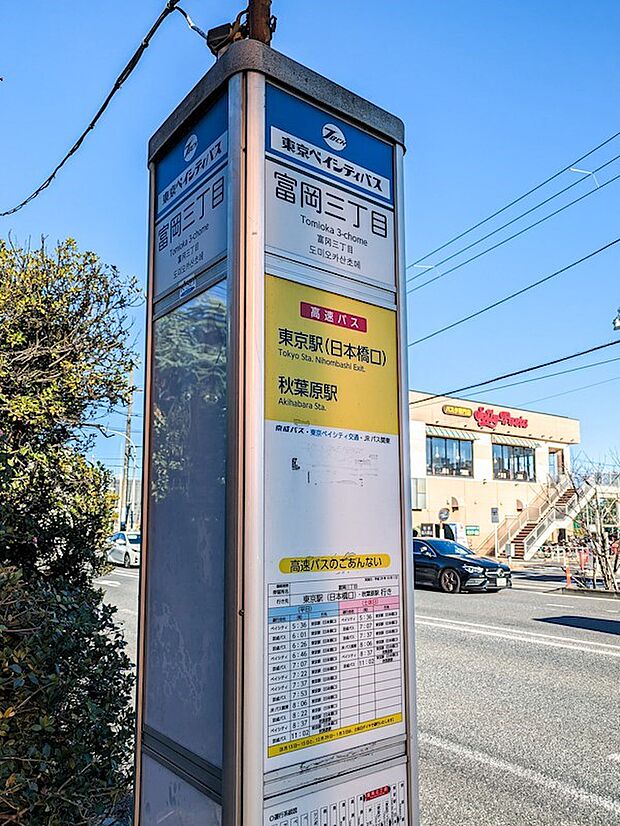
[509, 223]
[521, 372]
[574, 390]
[514, 295]
[133, 62]
[517, 200]
[551, 375]
[538, 378]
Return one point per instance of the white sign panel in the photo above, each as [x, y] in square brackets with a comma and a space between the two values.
[192, 234]
[378, 799]
[328, 226]
[329, 192]
[333, 584]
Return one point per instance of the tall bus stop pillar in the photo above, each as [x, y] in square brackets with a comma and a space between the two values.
[276, 646]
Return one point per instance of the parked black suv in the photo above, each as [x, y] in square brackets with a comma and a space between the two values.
[452, 567]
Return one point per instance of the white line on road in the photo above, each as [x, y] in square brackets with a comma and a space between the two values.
[109, 582]
[563, 605]
[585, 600]
[569, 643]
[549, 784]
[508, 630]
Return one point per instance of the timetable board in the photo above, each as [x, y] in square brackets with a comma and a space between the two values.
[333, 589]
[334, 660]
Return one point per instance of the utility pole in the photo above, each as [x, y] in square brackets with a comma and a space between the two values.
[259, 20]
[125, 504]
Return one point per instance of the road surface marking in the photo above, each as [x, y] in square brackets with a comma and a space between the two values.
[549, 784]
[109, 582]
[555, 604]
[508, 630]
[129, 574]
[569, 643]
[585, 599]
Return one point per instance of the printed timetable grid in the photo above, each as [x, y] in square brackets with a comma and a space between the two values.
[384, 806]
[334, 660]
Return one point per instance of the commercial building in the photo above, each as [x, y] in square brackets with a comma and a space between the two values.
[490, 475]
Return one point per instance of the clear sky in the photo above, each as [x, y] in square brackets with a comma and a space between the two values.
[495, 98]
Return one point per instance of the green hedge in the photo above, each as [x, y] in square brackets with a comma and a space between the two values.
[66, 724]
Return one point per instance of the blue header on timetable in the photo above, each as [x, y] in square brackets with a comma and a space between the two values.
[313, 139]
[201, 149]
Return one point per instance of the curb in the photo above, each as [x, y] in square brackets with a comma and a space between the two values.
[591, 592]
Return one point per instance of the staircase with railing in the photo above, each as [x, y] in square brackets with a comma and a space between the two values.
[525, 532]
[560, 515]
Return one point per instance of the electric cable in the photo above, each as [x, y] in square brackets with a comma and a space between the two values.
[552, 375]
[515, 235]
[131, 65]
[521, 372]
[539, 378]
[514, 220]
[574, 390]
[514, 295]
[517, 200]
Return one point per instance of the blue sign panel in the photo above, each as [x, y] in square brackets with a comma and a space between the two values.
[191, 202]
[200, 151]
[305, 135]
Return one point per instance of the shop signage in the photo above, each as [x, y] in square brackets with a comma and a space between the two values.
[494, 516]
[426, 529]
[472, 530]
[453, 410]
[487, 417]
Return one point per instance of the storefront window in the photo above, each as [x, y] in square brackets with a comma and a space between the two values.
[449, 457]
[512, 462]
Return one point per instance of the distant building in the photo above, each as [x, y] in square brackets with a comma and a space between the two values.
[485, 471]
[134, 516]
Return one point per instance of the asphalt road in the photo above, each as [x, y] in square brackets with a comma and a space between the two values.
[518, 708]
[518, 703]
[121, 589]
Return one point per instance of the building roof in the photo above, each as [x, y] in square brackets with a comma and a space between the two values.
[504, 422]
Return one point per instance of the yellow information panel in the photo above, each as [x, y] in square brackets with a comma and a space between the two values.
[333, 587]
[330, 360]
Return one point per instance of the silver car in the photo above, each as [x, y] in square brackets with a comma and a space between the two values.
[125, 547]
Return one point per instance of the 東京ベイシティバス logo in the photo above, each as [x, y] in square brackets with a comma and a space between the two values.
[334, 137]
[191, 145]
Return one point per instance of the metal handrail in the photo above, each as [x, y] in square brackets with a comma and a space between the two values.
[555, 515]
[511, 526]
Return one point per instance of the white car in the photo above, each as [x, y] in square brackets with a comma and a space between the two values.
[125, 548]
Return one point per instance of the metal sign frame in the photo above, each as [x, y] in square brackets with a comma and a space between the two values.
[242, 787]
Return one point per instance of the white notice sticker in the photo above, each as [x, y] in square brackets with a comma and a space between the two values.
[379, 799]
